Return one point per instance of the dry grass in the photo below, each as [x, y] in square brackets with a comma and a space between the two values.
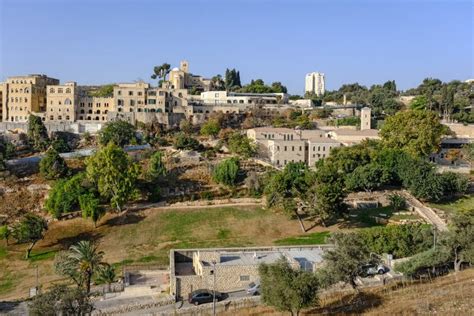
[449, 295]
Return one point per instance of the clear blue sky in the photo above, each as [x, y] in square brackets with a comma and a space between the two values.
[104, 41]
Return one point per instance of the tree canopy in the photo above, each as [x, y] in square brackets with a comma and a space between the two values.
[37, 133]
[227, 172]
[119, 132]
[53, 166]
[30, 229]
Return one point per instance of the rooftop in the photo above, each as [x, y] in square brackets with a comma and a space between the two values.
[352, 132]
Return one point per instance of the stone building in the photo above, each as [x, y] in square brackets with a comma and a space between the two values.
[94, 108]
[365, 118]
[24, 95]
[62, 101]
[284, 145]
[129, 97]
[232, 269]
[181, 78]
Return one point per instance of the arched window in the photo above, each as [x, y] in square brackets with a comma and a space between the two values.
[51, 117]
[90, 111]
[88, 118]
[96, 118]
[67, 101]
[51, 90]
[97, 112]
[82, 111]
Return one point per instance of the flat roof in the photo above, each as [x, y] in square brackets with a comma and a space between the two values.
[350, 132]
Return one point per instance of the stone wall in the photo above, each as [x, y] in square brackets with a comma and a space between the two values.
[76, 128]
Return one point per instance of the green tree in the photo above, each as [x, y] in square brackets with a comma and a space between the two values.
[61, 300]
[397, 202]
[210, 128]
[344, 263]
[90, 207]
[453, 184]
[287, 289]
[459, 241]
[419, 103]
[241, 145]
[227, 171]
[64, 195]
[80, 262]
[417, 132]
[114, 173]
[119, 132]
[104, 91]
[156, 167]
[37, 133]
[53, 166]
[468, 152]
[106, 274]
[30, 229]
[161, 71]
[368, 177]
[218, 84]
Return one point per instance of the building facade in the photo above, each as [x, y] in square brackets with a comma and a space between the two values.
[315, 83]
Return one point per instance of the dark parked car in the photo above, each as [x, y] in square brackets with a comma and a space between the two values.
[204, 296]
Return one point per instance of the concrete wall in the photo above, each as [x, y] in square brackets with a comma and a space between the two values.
[76, 128]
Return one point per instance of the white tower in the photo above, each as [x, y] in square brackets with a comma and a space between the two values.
[365, 118]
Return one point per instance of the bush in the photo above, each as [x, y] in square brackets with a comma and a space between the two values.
[429, 259]
[37, 133]
[227, 172]
[53, 166]
[240, 144]
[210, 128]
[60, 145]
[182, 141]
[156, 167]
[121, 133]
[90, 207]
[64, 196]
[399, 240]
[397, 202]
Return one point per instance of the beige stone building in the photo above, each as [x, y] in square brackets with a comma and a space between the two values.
[232, 269]
[315, 83]
[25, 95]
[94, 108]
[62, 101]
[181, 78]
[284, 145]
[130, 97]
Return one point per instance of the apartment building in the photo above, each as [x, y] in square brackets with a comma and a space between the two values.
[94, 108]
[315, 83]
[62, 101]
[284, 145]
[24, 95]
[130, 97]
[237, 98]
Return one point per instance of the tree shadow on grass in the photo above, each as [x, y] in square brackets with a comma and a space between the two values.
[67, 242]
[349, 304]
[125, 219]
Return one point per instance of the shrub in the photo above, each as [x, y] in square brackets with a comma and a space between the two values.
[429, 259]
[60, 145]
[397, 202]
[182, 141]
[156, 167]
[90, 207]
[227, 171]
[64, 196]
[240, 144]
[121, 133]
[210, 128]
[53, 166]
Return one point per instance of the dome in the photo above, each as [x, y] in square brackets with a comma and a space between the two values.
[175, 69]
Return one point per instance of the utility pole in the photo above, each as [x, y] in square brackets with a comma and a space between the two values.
[214, 288]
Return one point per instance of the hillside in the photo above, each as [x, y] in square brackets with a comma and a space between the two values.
[448, 295]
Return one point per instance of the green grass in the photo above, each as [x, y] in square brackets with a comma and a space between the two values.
[3, 252]
[309, 239]
[367, 216]
[463, 204]
[150, 258]
[45, 255]
[6, 282]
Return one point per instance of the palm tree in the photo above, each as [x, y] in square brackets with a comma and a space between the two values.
[106, 274]
[87, 259]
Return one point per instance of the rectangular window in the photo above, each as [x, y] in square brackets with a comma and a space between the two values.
[292, 148]
[300, 148]
[130, 92]
[285, 150]
[245, 278]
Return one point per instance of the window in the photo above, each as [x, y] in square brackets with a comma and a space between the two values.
[300, 148]
[67, 117]
[120, 102]
[68, 90]
[60, 117]
[285, 150]
[130, 93]
[151, 101]
[132, 102]
[140, 93]
[67, 102]
[292, 148]
[60, 90]
[245, 278]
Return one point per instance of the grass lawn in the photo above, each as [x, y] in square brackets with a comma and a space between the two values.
[147, 237]
[463, 204]
[309, 239]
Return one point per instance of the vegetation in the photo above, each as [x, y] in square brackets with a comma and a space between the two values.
[210, 128]
[183, 141]
[397, 202]
[80, 263]
[120, 133]
[37, 133]
[104, 91]
[30, 229]
[232, 80]
[53, 166]
[114, 174]
[156, 167]
[259, 86]
[161, 71]
[61, 300]
[417, 132]
[64, 195]
[241, 145]
[345, 121]
[287, 289]
[5, 233]
[90, 207]
[227, 172]
[344, 262]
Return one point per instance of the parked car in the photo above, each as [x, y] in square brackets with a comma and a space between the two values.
[373, 269]
[253, 289]
[204, 296]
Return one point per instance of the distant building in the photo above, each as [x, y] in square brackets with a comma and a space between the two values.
[315, 83]
[181, 78]
[365, 118]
